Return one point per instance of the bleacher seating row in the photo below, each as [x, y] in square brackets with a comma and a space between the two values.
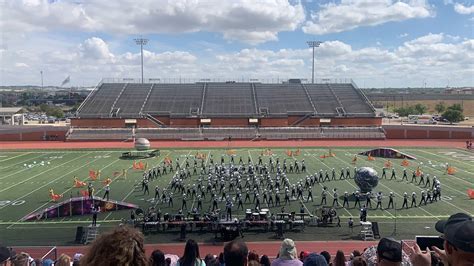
[270, 133]
[131, 100]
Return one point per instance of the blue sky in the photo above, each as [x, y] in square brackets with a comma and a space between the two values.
[378, 43]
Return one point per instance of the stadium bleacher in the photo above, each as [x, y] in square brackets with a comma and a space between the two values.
[214, 99]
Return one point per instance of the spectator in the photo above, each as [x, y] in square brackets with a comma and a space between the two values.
[389, 252]
[340, 259]
[77, 259]
[458, 245]
[358, 261]
[221, 259]
[253, 263]
[253, 256]
[265, 261]
[314, 259]
[235, 253]
[191, 255]
[211, 260]
[5, 256]
[303, 255]
[327, 256]
[168, 261]
[63, 260]
[157, 258]
[122, 246]
[22, 259]
[288, 256]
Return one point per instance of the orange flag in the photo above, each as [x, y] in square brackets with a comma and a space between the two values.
[451, 170]
[470, 193]
[92, 174]
[289, 153]
[418, 171]
[405, 163]
[388, 164]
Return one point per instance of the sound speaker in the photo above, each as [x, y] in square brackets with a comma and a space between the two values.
[375, 229]
[79, 234]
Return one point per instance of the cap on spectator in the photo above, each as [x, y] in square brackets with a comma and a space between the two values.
[390, 249]
[48, 262]
[5, 254]
[458, 230]
[288, 249]
[315, 259]
[304, 255]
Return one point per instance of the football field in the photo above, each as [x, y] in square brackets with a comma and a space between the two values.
[27, 176]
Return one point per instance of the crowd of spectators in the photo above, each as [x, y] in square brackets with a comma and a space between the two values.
[125, 246]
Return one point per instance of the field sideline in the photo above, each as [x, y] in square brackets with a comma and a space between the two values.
[24, 190]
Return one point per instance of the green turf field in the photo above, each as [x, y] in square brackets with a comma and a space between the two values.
[24, 190]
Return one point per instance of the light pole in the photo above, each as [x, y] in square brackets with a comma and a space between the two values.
[313, 44]
[141, 42]
[41, 72]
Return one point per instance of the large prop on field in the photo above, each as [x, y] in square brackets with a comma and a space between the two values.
[142, 144]
[387, 153]
[78, 206]
[366, 178]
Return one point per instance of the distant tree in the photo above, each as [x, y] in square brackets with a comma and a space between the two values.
[44, 108]
[420, 108]
[440, 107]
[453, 115]
[405, 111]
[457, 107]
[56, 112]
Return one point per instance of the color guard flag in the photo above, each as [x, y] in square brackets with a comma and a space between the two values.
[470, 193]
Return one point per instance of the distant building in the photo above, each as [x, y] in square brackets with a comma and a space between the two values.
[459, 91]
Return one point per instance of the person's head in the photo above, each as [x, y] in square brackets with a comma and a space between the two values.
[389, 252]
[122, 246]
[253, 256]
[253, 263]
[458, 234]
[356, 253]
[264, 260]
[359, 261]
[209, 257]
[288, 250]
[314, 259]
[168, 261]
[327, 256]
[191, 253]
[63, 260]
[303, 255]
[22, 259]
[5, 256]
[235, 253]
[157, 258]
[340, 259]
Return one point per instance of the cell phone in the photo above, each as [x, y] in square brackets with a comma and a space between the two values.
[429, 241]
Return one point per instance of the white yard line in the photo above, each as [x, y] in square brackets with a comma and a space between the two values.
[49, 169]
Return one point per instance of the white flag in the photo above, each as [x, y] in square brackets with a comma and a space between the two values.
[67, 80]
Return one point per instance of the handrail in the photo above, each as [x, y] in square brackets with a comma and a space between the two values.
[96, 88]
[361, 93]
[116, 99]
[309, 97]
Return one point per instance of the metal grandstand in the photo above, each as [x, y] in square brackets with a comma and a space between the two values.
[127, 98]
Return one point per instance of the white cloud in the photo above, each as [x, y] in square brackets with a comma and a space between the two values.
[434, 57]
[403, 35]
[462, 9]
[242, 20]
[351, 14]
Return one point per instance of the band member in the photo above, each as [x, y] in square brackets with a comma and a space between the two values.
[346, 200]
[405, 200]
[107, 192]
[390, 200]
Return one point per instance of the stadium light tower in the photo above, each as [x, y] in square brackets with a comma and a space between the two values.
[313, 44]
[141, 42]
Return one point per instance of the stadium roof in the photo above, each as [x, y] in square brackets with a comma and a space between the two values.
[9, 110]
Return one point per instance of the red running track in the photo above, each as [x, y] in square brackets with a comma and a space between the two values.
[20, 145]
